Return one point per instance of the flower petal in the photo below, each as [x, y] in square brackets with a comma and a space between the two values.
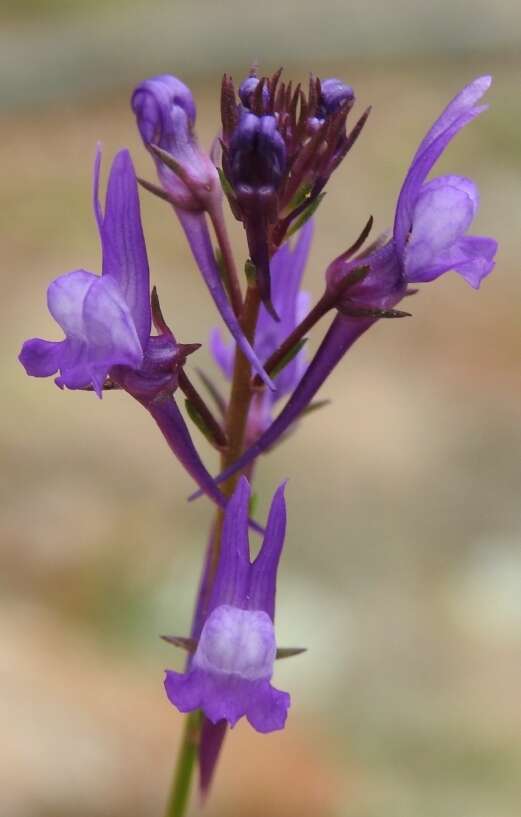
[441, 216]
[228, 697]
[231, 580]
[458, 113]
[268, 709]
[463, 102]
[264, 570]
[471, 256]
[99, 329]
[41, 358]
[124, 251]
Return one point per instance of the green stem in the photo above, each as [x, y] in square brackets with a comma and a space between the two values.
[180, 791]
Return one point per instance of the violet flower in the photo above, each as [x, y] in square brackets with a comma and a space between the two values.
[165, 114]
[429, 238]
[230, 672]
[291, 304]
[107, 322]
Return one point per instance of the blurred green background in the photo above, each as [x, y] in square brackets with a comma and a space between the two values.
[402, 571]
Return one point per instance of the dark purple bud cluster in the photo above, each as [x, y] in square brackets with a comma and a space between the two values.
[279, 150]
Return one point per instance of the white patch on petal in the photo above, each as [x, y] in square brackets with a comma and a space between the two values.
[237, 642]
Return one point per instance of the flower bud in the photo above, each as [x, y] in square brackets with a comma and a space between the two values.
[165, 113]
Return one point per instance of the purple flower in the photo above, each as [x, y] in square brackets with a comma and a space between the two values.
[230, 672]
[107, 319]
[165, 114]
[429, 239]
[291, 304]
[107, 322]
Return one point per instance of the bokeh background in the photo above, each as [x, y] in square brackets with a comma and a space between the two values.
[402, 571]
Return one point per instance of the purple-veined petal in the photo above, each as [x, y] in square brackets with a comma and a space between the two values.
[41, 358]
[123, 243]
[470, 256]
[462, 183]
[231, 579]
[459, 113]
[229, 698]
[196, 231]
[264, 570]
[463, 102]
[268, 709]
[442, 215]
[153, 102]
[98, 326]
[239, 642]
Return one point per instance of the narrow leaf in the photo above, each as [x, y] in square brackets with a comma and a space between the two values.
[289, 652]
[188, 644]
[203, 427]
[305, 215]
[288, 357]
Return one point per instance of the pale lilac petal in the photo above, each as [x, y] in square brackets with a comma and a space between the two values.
[462, 183]
[99, 329]
[441, 216]
[41, 358]
[470, 256]
[123, 243]
[235, 641]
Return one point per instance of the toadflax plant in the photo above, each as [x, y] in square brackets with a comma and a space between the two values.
[272, 158]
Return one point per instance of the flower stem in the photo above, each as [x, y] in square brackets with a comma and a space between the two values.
[180, 791]
[231, 279]
[236, 420]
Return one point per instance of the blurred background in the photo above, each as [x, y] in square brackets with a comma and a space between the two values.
[402, 570]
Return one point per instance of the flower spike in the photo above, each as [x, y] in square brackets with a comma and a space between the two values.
[429, 239]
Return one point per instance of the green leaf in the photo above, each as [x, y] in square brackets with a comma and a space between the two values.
[288, 357]
[225, 184]
[315, 406]
[251, 271]
[305, 215]
[199, 422]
